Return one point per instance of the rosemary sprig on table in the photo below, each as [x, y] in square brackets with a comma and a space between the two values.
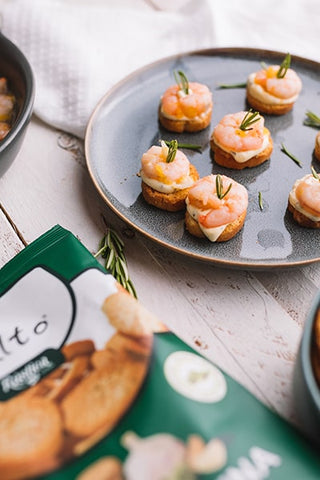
[188, 146]
[111, 248]
[260, 201]
[232, 85]
[182, 81]
[290, 155]
[219, 187]
[315, 174]
[172, 151]
[281, 73]
[249, 118]
[312, 120]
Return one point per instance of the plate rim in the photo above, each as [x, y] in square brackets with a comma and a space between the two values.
[211, 51]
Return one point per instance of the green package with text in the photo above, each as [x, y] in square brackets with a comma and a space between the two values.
[86, 393]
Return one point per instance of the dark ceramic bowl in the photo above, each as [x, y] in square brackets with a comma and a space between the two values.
[306, 389]
[16, 68]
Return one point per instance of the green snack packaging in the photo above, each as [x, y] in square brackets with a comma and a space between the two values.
[94, 387]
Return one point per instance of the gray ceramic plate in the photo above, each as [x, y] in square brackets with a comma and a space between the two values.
[125, 124]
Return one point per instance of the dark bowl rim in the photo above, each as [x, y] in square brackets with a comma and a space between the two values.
[28, 101]
[305, 353]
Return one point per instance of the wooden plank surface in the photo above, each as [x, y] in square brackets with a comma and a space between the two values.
[248, 323]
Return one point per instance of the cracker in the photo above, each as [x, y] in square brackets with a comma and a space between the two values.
[128, 316]
[230, 231]
[186, 125]
[273, 109]
[101, 399]
[171, 202]
[106, 468]
[31, 435]
[225, 159]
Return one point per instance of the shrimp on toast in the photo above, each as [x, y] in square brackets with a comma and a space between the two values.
[241, 140]
[185, 107]
[166, 175]
[216, 208]
[274, 89]
[304, 201]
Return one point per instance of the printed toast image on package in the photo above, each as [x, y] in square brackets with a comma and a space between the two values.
[73, 357]
[94, 387]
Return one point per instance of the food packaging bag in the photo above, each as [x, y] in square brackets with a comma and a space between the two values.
[93, 386]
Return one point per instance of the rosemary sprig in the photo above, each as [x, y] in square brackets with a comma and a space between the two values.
[232, 85]
[249, 118]
[281, 73]
[260, 201]
[182, 81]
[290, 155]
[188, 146]
[111, 248]
[173, 147]
[315, 174]
[312, 120]
[219, 188]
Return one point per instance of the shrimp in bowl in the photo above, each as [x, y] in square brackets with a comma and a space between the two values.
[241, 140]
[186, 106]
[166, 175]
[304, 200]
[274, 89]
[216, 208]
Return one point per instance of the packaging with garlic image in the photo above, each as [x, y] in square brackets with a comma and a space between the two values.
[94, 387]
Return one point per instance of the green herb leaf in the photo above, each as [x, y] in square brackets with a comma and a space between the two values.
[173, 147]
[264, 66]
[290, 155]
[281, 73]
[315, 174]
[260, 201]
[188, 146]
[181, 81]
[219, 187]
[312, 120]
[232, 85]
[111, 248]
[249, 118]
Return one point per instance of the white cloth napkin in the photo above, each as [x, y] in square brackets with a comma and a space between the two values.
[78, 49]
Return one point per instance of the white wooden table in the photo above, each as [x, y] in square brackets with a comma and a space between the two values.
[249, 324]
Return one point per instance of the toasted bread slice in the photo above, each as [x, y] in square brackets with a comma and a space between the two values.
[106, 468]
[229, 232]
[225, 159]
[271, 109]
[302, 219]
[101, 399]
[31, 435]
[172, 202]
[186, 125]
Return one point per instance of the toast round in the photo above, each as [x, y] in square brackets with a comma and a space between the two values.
[186, 125]
[171, 202]
[229, 232]
[302, 219]
[106, 468]
[128, 316]
[271, 109]
[98, 402]
[31, 435]
[225, 159]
